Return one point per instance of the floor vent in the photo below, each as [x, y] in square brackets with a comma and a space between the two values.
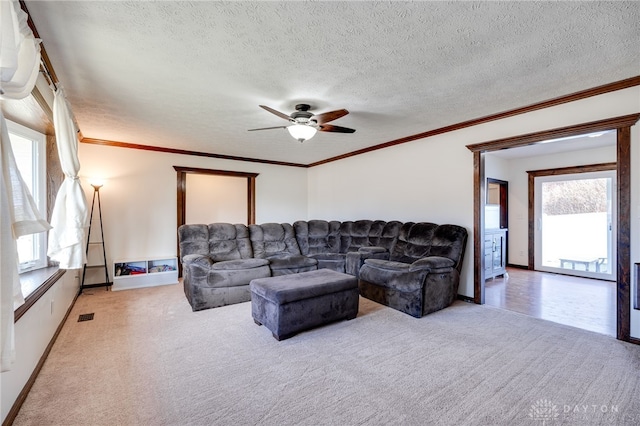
[85, 317]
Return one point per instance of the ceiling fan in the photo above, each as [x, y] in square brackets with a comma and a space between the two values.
[305, 124]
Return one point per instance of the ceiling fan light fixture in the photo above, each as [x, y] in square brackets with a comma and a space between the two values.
[301, 132]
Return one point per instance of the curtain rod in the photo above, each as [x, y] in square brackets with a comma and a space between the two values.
[45, 63]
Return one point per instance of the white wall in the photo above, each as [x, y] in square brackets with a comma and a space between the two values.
[496, 167]
[432, 179]
[213, 198]
[427, 180]
[139, 196]
[33, 332]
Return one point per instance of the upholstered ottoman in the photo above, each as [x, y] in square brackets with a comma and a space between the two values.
[288, 304]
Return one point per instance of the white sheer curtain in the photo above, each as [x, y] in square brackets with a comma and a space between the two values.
[19, 64]
[19, 52]
[70, 213]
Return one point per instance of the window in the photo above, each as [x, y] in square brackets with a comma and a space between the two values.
[575, 227]
[29, 150]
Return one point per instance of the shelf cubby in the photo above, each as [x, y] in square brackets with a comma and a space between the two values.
[137, 273]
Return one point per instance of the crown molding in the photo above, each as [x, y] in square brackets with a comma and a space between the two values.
[560, 132]
[104, 142]
[576, 96]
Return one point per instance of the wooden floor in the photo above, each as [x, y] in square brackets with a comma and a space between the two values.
[579, 302]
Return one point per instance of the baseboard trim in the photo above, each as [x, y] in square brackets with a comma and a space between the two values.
[465, 298]
[634, 340]
[22, 396]
[510, 265]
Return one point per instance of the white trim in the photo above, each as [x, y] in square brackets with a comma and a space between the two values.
[39, 189]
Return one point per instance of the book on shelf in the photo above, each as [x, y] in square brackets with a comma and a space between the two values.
[128, 269]
[161, 268]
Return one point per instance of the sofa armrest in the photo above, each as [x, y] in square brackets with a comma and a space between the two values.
[372, 249]
[239, 264]
[197, 259]
[389, 265]
[373, 252]
[434, 264]
[355, 259]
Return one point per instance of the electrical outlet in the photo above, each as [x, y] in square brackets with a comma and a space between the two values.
[521, 252]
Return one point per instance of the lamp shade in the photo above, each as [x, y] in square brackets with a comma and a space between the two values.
[302, 132]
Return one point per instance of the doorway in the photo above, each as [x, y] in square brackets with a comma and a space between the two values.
[574, 215]
[576, 202]
[215, 198]
[497, 206]
[183, 172]
[622, 126]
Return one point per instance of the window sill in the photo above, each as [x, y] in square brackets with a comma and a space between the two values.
[34, 285]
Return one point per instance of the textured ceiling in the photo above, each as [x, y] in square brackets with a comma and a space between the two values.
[190, 75]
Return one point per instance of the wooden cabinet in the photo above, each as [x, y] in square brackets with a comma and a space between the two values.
[495, 252]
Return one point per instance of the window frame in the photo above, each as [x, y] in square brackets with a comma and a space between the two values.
[39, 184]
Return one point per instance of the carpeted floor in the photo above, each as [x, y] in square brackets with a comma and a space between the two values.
[146, 359]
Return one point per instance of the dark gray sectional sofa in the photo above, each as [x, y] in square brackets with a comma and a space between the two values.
[411, 267]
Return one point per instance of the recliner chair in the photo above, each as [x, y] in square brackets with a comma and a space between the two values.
[421, 274]
[218, 264]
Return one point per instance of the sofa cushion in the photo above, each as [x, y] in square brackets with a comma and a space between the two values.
[354, 234]
[389, 235]
[395, 276]
[414, 242]
[271, 239]
[334, 261]
[194, 239]
[234, 265]
[360, 233]
[219, 278]
[337, 257]
[291, 261]
[379, 240]
[449, 241]
[302, 286]
[229, 242]
[317, 236]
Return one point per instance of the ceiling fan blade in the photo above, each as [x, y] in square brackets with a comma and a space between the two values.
[278, 113]
[268, 128]
[330, 116]
[337, 129]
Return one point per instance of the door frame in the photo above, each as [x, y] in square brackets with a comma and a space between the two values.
[182, 190]
[182, 173]
[622, 125]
